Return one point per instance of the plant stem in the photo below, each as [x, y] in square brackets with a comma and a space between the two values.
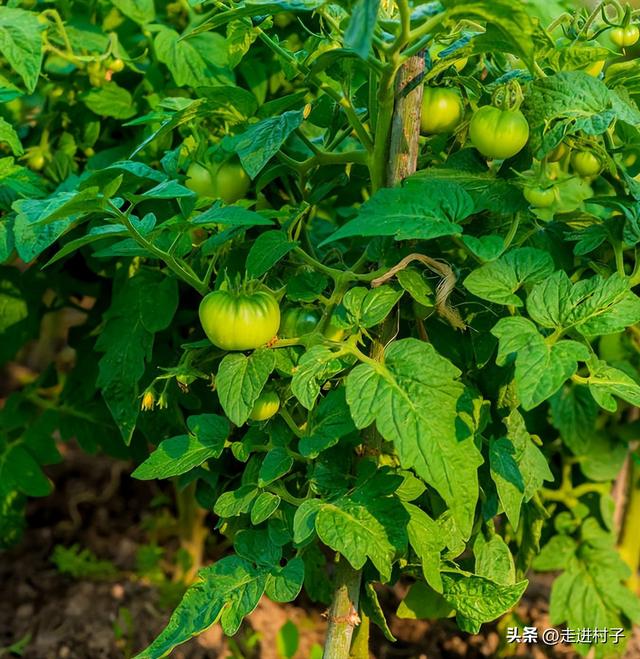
[343, 614]
[629, 545]
[191, 528]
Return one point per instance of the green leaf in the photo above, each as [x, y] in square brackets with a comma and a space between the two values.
[556, 554]
[261, 141]
[427, 540]
[127, 340]
[304, 521]
[139, 11]
[413, 397]
[240, 36]
[194, 62]
[9, 135]
[266, 251]
[359, 32]
[180, 454]
[232, 216]
[574, 413]
[593, 306]
[507, 477]
[19, 470]
[263, 507]
[110, 100]
[353, 530]
[240, 380]
[277, 462]
[422, 210]
[418, 288]
[21, 43]
[235, 502]
[541, 368]
[284, 584]
[226, 591]
[605, 382]
[314, 367]
[500, 280]
[367, 308]
[494, 560]
[330, 422]
[372, 608]
[13, 306]
[424, 603]
[477, 600]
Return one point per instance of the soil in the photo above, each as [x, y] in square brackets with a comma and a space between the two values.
[97, 506]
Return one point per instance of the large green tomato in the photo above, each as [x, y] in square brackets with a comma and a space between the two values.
[498, 133]
[265, 407]
[228, 182]
[625, 36]
[585, 163]
[239, 321]
[297, 322]
[441, 110]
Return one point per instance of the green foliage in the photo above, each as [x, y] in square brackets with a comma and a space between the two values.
[465, 390]
[82, 563]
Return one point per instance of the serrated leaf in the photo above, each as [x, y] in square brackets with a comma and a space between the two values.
[284, 584]
[314, 367]
[21, 43]
[507, 477]
[413, 398]
[266, 251]
[240, 380]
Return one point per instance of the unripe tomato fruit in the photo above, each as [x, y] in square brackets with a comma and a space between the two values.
[297, 322]
[441, 110]
[498, 133]
[265, 407]
[36, 161]
[558, 153]
[239, 321]
[232, 182]
[585, 163]
[540, 197]
[229, 182]
[625, 36]
[117, 65]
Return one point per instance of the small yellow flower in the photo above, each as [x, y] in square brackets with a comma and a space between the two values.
[148, 400]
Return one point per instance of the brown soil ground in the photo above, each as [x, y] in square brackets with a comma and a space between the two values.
[97, 506]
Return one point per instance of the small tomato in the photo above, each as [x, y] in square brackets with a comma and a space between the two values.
[586, 163]
[441, 110]
[265, 407]
[540, 197]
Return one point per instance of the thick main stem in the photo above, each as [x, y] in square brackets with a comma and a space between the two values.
[343, 614]
[629, 545]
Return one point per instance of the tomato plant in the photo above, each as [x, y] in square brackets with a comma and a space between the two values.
[441, 406]
[623, 37]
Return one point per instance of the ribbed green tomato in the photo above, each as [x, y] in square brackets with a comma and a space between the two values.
[441, 110]
[239, 321]
[585, 163]
[265, 407]
[297, 322]
[625, 36]
[540, 197]
[498, 133]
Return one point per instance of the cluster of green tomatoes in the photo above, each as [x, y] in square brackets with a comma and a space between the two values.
[499, 133]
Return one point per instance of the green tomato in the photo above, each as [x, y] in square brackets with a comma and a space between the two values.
[36, 160]
[540, 197]
[297, 322]
[239, 321]
[441, 110]
[265, 407]
[199, 180]
[585, 163]
[498, 133]
[558, 153]
[625, 36]
[116, 65]
[232, 182]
